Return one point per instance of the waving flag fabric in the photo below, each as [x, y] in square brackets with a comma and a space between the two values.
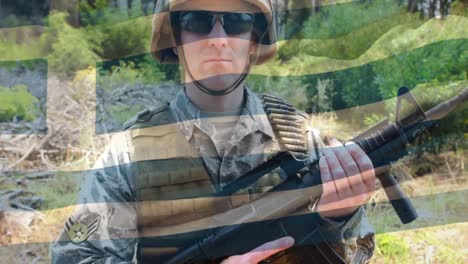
[69, 82]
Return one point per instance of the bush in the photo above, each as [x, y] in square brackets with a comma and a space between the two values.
[17, 102]
[340, 19]
[354, 44]
[135, 70]
[122, 39]
[69, 49]
[120, 34]
[435, 63]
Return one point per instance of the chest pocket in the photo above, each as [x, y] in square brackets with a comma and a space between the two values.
[168, 178]
[172, 184]
[177, 191]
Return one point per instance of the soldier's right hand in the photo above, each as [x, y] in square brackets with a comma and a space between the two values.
[262, 252]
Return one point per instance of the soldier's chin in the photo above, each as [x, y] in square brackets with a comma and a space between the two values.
[220, 82]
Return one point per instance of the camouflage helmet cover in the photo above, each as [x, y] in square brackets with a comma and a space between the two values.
[163, 42]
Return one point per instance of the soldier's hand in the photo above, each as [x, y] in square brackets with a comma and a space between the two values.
[348, 178]
[262, 252]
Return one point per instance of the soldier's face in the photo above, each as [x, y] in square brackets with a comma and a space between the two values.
[214, 54]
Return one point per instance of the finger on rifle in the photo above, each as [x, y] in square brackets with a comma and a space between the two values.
[264, 251]
[364, 163]
[338, 173]
[328, 185]
[350, 167]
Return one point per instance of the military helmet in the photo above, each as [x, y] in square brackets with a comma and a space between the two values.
[163, 41]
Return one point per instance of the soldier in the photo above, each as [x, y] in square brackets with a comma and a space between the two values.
[148, 193]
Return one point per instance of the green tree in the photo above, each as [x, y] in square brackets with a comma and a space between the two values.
[69, 49]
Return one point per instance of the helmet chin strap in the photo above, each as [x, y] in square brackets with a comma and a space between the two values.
[225, 91]
[212, 92]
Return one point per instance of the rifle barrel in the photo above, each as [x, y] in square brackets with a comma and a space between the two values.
[446, 107]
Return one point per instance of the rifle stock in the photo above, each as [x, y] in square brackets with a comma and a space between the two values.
[384, 145]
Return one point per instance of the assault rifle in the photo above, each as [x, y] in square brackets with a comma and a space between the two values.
[273, 215]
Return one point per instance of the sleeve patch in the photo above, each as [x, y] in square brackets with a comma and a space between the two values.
[79, 232]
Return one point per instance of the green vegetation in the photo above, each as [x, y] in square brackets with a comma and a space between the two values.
[28, 48]
[434, 64]
[65, 185]
[434, 236]
[346, 55]
[367, 58]
[119, 35]
[351, 57]
[139, 70]
[393, 248]
[17, 102]
[122, 39]
[100, 12]
[57, 192]
[341, 19]
[69, 49]
[345, 31]
[336, 19]
[402, 38]
[293, 89]
[137, 74]
[435, 243]
[459, 8]
[362, 50]
[350, 45]
[440, 62]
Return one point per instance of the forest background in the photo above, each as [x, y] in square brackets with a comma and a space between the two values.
[71, 72]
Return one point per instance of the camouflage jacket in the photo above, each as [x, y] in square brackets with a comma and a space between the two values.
[103, 227]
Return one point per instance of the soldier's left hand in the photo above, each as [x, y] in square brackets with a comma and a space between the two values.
[348, 179]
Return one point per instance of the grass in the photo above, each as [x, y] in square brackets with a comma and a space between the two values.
[438, 244]
[439, 234]
[17, 102]
[391, 248]
[21, 43]
[441, 242]
[59, 191]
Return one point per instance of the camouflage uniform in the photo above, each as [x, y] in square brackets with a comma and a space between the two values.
[107, 207]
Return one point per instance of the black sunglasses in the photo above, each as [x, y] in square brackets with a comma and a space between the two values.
[202, 22]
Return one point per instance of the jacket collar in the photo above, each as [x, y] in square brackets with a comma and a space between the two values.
[252, 117]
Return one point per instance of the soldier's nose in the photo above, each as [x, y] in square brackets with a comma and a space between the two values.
[218, 36]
